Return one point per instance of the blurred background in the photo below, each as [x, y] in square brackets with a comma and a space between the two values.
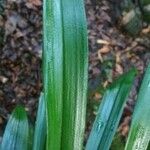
[119, 39]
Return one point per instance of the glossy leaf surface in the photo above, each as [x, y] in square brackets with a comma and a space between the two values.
[139, 135]
[109, 113]
[16, 134]
[65, 69]
[53, 70]
[40, 126]
[74, 74]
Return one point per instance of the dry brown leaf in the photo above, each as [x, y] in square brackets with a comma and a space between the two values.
[146, 30]
[119, 69]
[125, 122]
[118, 58]
[105, 49]
[125, 130]
[101, 41]
[35, 2]
[105, 84]
[100, 57]
[97, 96]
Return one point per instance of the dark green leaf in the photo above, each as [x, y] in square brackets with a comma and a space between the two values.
[31, 136]
[146, 13]
[144, 2]
[118, 143]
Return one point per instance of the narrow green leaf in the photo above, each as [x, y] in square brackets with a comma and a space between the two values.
[65, 69]
[31, 136]
[53, 70]
[109, 113]
[139, 135]
[17, 131]
[40, 126]
[74, 74]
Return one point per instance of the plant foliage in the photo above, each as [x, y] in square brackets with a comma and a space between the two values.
[65, 65]
[40, 126]
[109, 113]
[61, 112]
[139, 135]
[16, 134]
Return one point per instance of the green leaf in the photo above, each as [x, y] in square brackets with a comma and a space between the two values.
[146, 13]
[65, 70]
[31, 136]
[2, 5]
[53, 70]
[139, 135]
[74, 74]
[109, 113]
[144, 2]
[17, 131]
[40, 126]
[118, 143]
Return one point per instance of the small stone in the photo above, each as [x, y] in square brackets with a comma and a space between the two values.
[3, 79]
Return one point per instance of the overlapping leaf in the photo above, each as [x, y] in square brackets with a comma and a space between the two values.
[139, 135]
[40, 126]
[65, 60]
[16, 134]
[53, 70]
[109, 113]
[74, 74]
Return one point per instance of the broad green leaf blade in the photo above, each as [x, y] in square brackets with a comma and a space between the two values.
[17, 131]
[75, 74]
[40, 126]
[53, 70]
[65, 65]
[109, 113]
[139, 135]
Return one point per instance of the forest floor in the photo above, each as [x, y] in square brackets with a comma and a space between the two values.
[111, 53]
